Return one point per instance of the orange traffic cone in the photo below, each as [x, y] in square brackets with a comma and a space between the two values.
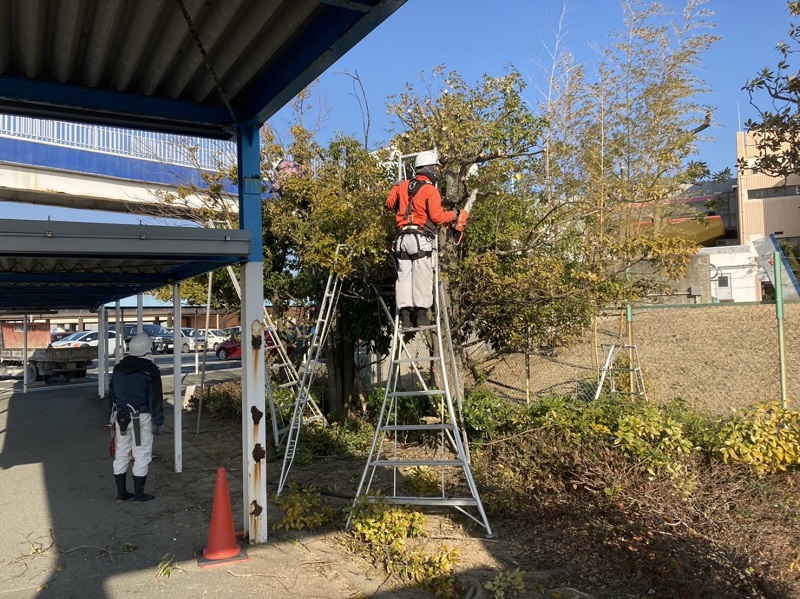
[222, 546]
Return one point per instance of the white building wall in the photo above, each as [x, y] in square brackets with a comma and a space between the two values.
[735, 274]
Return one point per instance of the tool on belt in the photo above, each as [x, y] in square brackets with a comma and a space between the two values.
[112, 427]
[137, 431]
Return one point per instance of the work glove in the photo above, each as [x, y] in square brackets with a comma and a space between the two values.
[157, 430]
[456, 212]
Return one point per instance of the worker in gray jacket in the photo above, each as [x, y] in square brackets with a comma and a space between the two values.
[137, 404]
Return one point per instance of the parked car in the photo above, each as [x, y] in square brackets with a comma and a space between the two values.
[230, 349]
[59, 335]
[231, 331]
[214, 338]
[191, 339]
[87, 339]
[162, 338]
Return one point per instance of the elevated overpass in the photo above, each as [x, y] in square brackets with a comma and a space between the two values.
[76, 165]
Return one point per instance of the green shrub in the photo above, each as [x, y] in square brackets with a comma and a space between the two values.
[381, 530]
[654, 437]
[382, 524]
[765, 437]
[221, 399]
[410, 410]
[351, 438]
[487, 415]
[303, 508]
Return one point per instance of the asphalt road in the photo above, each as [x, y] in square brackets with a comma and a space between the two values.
[190, 364]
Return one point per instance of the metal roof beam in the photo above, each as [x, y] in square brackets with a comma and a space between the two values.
[98, 106]
[51, 238]
[316, 48]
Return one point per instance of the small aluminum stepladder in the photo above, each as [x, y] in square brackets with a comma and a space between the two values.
[632, 368]
[325, 315]
[282, 365]
[450, 459]
[286, 377]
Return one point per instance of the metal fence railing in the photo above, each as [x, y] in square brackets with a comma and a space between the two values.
[142, 145]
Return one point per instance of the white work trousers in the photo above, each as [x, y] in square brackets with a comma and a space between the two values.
[414, 286]
[142, 453]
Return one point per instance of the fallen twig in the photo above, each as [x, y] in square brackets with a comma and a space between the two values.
[255, 574]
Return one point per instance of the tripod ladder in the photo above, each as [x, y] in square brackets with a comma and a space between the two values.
[280, 368]
[610, 368]
[281, 405]
[448, 463]
[326, 313]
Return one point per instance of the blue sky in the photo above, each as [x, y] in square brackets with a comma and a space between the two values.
[474, 38]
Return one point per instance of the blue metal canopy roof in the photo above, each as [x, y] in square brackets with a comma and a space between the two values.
[47, 265]
[193, 67]
[188, 67]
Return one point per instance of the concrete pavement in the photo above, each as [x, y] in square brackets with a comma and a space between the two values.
[63, 535]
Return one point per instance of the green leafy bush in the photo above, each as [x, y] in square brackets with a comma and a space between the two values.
[656, 438]
[351, 438]
[409, 411]
[487, 415]
[381, 531]
[506, 584]
[765, 437]
[303, 508]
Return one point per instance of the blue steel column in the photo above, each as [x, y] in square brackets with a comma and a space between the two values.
[253, 369]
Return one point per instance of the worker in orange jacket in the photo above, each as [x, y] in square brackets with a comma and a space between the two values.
[417, 205]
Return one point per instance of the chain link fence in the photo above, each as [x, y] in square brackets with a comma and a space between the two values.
[713, 356]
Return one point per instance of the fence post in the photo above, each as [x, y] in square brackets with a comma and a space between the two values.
[629, 318]
[527, 364]
[776, 265]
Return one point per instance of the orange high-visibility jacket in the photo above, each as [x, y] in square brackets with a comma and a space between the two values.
[426, 207]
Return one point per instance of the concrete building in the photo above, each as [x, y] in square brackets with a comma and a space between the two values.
[767, 205]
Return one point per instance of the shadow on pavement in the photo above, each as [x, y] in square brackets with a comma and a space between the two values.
[64, 535]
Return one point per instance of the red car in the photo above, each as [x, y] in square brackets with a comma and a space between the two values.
[231, 348]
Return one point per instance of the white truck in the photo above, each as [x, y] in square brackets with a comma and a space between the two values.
[43, 360]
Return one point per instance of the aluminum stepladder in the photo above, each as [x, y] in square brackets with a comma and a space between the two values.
[325, 315]
[633, 369]
[281, 366]
[452, 452]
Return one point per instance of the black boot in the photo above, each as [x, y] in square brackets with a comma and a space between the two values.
[422, 318]
[122, 491]
[405, 318]
[138, 490]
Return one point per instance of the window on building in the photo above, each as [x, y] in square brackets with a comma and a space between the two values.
[770, 193]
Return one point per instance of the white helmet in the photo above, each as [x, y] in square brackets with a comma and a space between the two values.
[426, 159]
[140, 345]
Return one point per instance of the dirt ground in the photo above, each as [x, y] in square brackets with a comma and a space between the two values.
[337, 478]
[716, 358]
[563, 551]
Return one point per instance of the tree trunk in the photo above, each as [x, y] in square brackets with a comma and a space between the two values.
[341, 368]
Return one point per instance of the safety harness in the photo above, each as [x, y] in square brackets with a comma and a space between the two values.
[411, 229]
